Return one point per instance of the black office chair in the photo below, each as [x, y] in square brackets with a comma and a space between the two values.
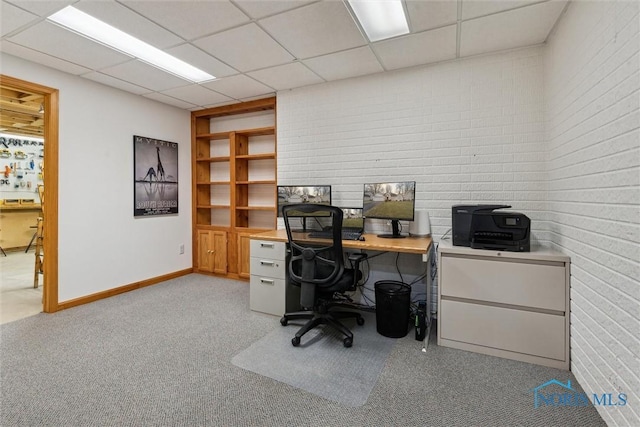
[318, 268]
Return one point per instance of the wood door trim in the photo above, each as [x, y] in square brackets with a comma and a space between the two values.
[51, 150]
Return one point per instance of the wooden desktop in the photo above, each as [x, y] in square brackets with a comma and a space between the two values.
[371, 242]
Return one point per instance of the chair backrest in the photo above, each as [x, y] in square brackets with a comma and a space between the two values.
[315, 264]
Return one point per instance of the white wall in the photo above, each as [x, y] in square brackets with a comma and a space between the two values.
[101, 245]
[469, 131]
[592, 83]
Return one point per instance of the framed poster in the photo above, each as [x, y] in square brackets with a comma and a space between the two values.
[155, 175]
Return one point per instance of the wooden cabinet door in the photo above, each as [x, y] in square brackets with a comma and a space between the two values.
[205, 260]
[244, 242]
[219, 254]
[212, 251]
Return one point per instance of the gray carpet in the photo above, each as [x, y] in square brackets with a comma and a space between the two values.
[161, 356]
[321, 364]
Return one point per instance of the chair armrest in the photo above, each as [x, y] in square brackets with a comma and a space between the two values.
[357, 258]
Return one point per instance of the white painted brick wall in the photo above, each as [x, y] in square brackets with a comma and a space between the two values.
[469, 131]
[592, 83]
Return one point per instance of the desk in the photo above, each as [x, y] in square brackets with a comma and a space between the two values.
[408, 245]
[16, 225]
[269, 290]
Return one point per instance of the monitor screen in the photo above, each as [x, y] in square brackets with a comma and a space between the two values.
[352, 218]
[295, 194]
[390, 200]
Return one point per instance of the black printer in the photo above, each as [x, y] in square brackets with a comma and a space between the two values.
[461, 221]
[504, 231]
[481, 227]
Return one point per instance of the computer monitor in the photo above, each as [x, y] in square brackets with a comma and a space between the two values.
[295, 194]
[352, 219]
[394, 201]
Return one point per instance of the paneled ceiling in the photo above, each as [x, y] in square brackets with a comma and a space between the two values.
[21, 113]
[256, 48]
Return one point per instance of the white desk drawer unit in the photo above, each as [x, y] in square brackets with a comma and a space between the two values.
[269, 291]
[507, 304]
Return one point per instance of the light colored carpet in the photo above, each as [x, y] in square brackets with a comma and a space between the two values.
[321, 364]
[161, 356]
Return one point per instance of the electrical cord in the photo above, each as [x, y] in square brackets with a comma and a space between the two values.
[398, 267]
[444, 236]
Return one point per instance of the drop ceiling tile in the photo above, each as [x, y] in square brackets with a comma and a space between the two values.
[417, 49]
[202, 60]
[171, 101]
[196, 94]
[41, 58]
[313, 30]
[286, 76]
[41, 7]
[245, 48]
[475, 8]
[14, 18]
[56, 41]
[427, 15]
[260, 8]
[217, 105]
[129, 21]
[516, 28]
[191, 19]
[345, 64]
[117, 83]
[239, 87]
[147, 76]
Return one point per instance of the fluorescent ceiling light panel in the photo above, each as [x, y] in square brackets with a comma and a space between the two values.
[94, 29]
[380, 19]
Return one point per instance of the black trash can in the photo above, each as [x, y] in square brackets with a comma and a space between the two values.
[393, 300]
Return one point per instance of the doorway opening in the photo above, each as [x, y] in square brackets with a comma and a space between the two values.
[30, 110]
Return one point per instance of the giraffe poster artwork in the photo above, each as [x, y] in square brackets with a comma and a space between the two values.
[155, 171]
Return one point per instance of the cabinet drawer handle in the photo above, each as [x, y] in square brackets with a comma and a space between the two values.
[269, 263]
[266, 245]
[266, 281]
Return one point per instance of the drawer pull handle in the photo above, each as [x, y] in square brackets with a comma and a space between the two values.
[269, 263]
[266, 281]
[266, 245]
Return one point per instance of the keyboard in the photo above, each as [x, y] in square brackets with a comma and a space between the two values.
[346, 235]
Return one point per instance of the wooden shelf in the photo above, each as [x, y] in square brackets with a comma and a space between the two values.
[213, 183]
[271, 181]
[257, 156]
[214, 159]
[213, 207]
[236, 167]
[270, 130]
[214, 136]
[256, 208]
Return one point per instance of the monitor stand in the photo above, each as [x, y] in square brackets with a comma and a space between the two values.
[395, 231]
[303, 221]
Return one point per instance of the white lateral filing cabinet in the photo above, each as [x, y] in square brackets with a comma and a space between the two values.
[507, 304]
[269, 289]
